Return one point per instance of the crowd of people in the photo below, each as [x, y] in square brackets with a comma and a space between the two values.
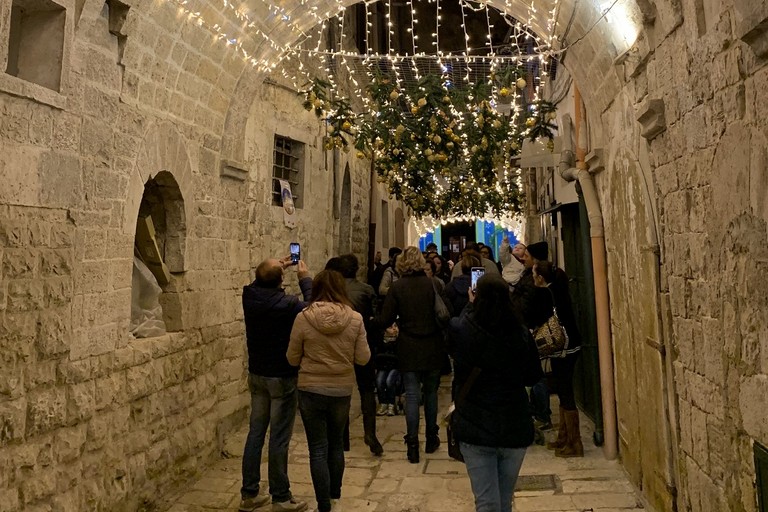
[386, 339]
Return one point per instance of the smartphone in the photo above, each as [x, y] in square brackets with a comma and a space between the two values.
[295, 253]
[477, 273]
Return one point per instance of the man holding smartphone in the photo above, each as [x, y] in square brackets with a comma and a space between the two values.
[269, 315]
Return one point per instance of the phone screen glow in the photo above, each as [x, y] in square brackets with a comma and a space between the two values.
[477, 273]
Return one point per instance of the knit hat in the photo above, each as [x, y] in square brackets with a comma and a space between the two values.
[539, 250]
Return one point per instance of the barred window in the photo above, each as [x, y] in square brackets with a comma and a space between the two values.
[288, 165]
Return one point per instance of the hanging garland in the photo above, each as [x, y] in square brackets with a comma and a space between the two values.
[442, 150]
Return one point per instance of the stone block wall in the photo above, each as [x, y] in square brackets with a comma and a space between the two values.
[90, 418]
[683, 194]
[704, 166]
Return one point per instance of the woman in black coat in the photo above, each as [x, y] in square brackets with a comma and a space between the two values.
[420, 346]
[492, 422]
[552, 290]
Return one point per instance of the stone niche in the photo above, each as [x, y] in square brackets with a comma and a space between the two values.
[36, 31]
[752, 25]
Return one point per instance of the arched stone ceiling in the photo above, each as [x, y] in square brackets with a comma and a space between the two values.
[590, 61]
[275, 25]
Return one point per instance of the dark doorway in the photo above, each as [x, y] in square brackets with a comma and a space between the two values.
[456, 236]
[577, 254]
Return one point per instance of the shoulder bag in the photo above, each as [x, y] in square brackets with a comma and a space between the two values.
[442, 315]
[550, 337]
[454, 451]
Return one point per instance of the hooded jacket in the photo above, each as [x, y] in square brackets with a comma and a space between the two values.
[456, 293]
[327, 340]
[269, 314]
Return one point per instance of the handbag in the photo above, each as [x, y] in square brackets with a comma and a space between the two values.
[550, 337]
[454, 451]
[442, 314]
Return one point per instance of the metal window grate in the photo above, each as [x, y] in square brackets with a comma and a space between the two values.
[285, 167]
[761, 477]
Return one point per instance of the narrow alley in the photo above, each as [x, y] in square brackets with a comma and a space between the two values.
[436, 484]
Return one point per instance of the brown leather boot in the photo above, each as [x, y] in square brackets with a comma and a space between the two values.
[573, 446]
[562, 433]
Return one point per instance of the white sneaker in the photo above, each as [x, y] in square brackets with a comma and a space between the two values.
[336, 506]
[292, 505]
[391, 410]
[382, 410]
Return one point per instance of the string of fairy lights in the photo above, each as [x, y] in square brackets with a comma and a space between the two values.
[316, 43]
[253, 31]
[279, 52]
[429, 225]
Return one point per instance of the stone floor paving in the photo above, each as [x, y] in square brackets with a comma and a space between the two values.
[437, 484]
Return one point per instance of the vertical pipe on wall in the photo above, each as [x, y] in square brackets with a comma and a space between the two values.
[374, 201]
[599, 268]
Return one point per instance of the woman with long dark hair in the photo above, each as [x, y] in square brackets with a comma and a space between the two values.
[327, 340]
[546, 275]
[495, 360]
[456, 291]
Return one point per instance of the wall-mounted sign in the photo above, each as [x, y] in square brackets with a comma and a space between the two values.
[289, 208]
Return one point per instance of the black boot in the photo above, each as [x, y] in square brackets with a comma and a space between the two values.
[433, 440]
[412, 442]
[346, 436]
[368, 406]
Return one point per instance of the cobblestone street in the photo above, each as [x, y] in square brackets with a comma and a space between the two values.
[436, 484]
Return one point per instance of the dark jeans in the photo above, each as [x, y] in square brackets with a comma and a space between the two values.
[389, 384]
[324, 418]
[273, 406]
[540, 401]
[415, 382]
[562, 371]
[365, 375]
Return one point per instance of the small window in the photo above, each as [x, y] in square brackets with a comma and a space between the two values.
[288, 165]
[36, 42]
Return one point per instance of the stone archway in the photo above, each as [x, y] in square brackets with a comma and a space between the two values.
[164, 171]
[163, 149]
[593, 70]
[639, 352]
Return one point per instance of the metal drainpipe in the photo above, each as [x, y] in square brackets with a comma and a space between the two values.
[599, 269]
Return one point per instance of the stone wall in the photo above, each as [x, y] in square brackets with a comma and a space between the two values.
[90, 418]
[681, 120]
[695, 86]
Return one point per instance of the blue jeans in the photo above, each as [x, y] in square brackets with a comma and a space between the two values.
[492, 474]
[273, 405]
[388, 385]
[415, 382]
[540, 401]
[324, 418]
